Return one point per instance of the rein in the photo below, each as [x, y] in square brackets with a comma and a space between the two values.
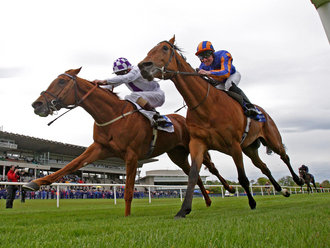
[52, 104]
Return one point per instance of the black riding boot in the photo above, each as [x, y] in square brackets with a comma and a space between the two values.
[159, 120]
[249, 107]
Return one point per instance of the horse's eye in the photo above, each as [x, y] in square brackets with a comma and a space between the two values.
[61, 81]
[165, 48]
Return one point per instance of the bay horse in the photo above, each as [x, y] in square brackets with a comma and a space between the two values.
[308, 178]
[215, 121]
[128, 136]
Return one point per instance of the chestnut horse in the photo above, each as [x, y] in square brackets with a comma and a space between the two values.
[215, 121]
[128, 136]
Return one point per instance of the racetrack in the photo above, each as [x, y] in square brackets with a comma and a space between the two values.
[298, 221]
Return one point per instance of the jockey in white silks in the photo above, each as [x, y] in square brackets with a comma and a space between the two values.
[145, 93]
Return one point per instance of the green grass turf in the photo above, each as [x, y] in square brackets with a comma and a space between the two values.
[298, 221]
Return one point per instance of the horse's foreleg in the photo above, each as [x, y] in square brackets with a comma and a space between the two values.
[179, 156]
[131, 161]
[309, 188]
[197, 149]
[92, 153]
[242, 178]
[209, 164]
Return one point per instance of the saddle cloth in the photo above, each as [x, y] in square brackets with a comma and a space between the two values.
[260, 117]
[149, 115]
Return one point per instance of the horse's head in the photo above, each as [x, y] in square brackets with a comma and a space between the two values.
[61, 93]
[161, 61]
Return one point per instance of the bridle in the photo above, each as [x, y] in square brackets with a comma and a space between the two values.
[57, 102]
[51, 104]
[164, 70]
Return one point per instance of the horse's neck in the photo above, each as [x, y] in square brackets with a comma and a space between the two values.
[101, 105]
[193, 89]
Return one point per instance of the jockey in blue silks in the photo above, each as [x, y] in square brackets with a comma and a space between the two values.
[218, 65]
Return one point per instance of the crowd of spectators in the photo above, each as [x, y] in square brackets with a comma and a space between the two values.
[85, 192]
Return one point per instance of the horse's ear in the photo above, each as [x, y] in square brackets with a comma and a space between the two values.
[172, 40]
[76, 71]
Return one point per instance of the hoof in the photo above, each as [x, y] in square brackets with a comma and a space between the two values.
[231, 190]
[208, 203]
[182, 213]
[285, 192]
[252, 204]
[31, 186]
[177, 217]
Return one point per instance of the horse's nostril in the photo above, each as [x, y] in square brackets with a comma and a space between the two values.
[36, 104]
[144, 65]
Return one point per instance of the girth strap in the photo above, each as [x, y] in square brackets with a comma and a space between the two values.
[247, 128]
[153, 142]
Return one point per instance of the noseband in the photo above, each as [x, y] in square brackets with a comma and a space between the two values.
[164, 69]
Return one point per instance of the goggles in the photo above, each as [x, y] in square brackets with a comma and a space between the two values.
[205, 55]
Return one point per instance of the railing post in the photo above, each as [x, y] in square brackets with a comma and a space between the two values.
[181, 195]
[262, 192]
[237, 191]
[149, 194]
[274, 190]
[222, 194]
[58, 196]
[115, 195]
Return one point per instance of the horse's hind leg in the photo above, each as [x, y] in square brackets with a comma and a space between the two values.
[209, 164]
[272, 139]
[252, 153]
[179, 156]
[313, 182]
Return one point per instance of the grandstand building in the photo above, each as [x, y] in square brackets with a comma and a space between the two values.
[166, 177]
[40, 157]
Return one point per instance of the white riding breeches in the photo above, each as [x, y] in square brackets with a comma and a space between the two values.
[234, 78]
[154, 98]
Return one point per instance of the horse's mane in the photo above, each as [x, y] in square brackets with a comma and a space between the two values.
[111, 92]
[105, 90]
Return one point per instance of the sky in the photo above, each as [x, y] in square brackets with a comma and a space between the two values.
[279, 47]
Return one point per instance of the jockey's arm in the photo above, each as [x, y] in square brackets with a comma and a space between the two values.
[222, 72]
[131, 76]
